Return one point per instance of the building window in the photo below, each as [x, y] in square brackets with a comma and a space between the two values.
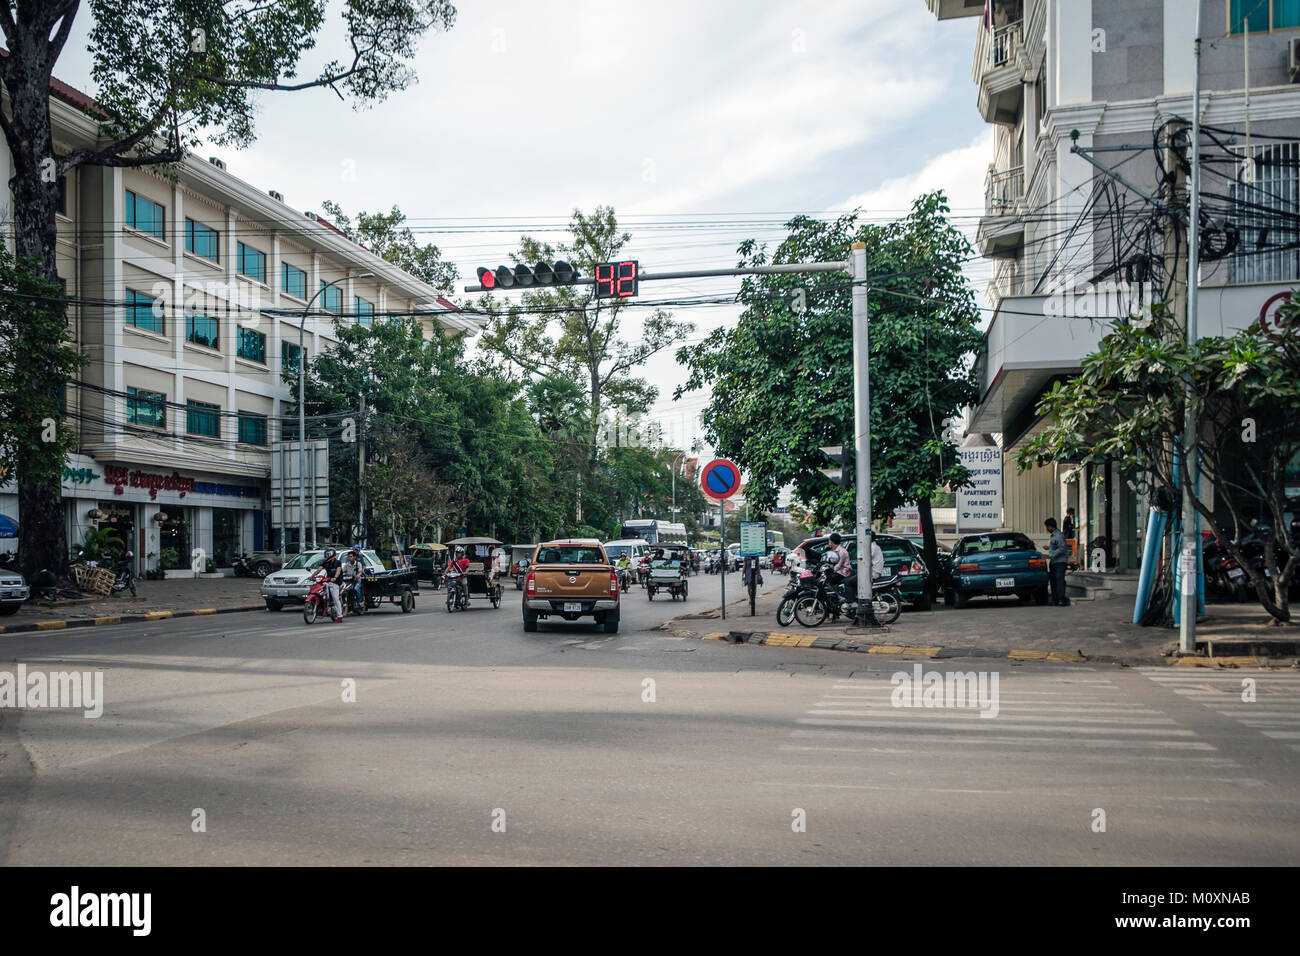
[365, 310]
[144, 312]
[146, 408]
[252, 346]
[144, 214]
[1274, 198]
[251, 263]
[293, 280]
[201, 240]
[289, 356]
[252, 429]
[1258, 16]
[203, 419]
[203, 330]
[331, 297]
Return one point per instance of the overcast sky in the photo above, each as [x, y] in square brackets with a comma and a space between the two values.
[702, 123]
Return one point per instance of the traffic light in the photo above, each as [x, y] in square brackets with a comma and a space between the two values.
[842, 455]
[523, 276]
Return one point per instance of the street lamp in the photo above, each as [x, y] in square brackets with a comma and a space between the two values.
[302, 417]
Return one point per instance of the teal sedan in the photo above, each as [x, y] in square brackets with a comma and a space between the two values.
[995, 564]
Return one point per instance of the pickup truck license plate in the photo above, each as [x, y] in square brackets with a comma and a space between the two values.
[572, 606]
[282, 592]
[1005, 582]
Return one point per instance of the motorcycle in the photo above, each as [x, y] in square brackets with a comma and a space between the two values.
[123, 576]
[624, 579]
[813, 605]
[799, 581]
[353, 598]
[243, 566]
[317, 603]
[457, 592]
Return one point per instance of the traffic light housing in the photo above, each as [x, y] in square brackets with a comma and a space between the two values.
[524, 276]
[843, 457]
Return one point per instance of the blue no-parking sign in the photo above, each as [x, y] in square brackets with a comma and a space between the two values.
[720, 479]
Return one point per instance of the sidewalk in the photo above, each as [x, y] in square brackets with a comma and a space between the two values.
[154, 600]
[1230, 634]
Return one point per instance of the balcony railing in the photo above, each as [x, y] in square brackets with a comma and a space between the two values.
[995, 48]
[1004, 187]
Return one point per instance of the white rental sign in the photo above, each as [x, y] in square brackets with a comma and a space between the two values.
[979, 505]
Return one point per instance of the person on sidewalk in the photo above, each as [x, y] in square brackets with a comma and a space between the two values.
[1058, 553]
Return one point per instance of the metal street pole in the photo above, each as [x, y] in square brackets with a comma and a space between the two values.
[722, 553]
[302, 416]
[1190, 596]
[862, 426]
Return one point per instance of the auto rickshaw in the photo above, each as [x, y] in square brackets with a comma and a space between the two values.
[482, 578]
[668, 570]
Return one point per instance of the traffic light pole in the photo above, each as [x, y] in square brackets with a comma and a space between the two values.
[791, 269]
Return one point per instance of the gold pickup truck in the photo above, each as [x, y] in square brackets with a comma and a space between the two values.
[571, 578]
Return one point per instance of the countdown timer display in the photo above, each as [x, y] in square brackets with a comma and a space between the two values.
[617, 280]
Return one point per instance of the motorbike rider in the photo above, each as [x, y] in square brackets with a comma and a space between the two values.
[624, 566]
[332, 570]
[460, 566]
[351, 572]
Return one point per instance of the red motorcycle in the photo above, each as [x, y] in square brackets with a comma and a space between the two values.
[317, 604]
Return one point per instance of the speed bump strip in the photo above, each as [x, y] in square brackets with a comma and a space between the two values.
[1065, 656]
[885, 649]
[922, 651]
[1027, 655]
[206, 610]
[157, 615]
[108, 620]
[50, 625]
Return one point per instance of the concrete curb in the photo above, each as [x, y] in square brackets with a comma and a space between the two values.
[124, 619]
[822, 642]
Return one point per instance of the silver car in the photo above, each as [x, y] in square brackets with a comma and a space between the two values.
[291, 583]
[13, 591]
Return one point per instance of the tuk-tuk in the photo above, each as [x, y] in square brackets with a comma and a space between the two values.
[520, 556]
[668, 564]
[482, 577]
[429, 560]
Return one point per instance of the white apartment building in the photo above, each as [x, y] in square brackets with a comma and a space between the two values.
[1103, 75]
[179, 404]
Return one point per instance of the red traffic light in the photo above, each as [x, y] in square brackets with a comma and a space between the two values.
[486, 278]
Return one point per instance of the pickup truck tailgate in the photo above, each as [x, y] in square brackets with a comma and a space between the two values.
[572, 581]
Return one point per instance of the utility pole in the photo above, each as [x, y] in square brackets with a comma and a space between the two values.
[862, 426]
[1189, 596]
[361, 472]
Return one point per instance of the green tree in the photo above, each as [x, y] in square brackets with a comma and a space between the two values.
[782, 379]
[168, 75]
[385, 235]
[1127, 405]
[35, 365]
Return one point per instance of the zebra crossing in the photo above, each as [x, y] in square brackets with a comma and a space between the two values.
[1263, 700]
[1052, 731]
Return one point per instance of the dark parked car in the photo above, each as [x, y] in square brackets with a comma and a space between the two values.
[902, 557]
[995, 563]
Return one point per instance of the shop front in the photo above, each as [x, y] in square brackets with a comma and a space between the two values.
[167, 519]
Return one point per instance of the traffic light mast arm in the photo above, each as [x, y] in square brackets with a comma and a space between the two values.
[794, 267]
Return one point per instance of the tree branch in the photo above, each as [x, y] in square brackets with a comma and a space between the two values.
[68, 12]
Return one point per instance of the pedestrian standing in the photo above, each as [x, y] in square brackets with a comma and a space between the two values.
[1058, 553]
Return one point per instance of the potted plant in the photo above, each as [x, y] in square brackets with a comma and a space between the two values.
[210, 570]
[169, 563]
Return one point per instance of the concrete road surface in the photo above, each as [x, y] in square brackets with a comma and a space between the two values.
[432, 738]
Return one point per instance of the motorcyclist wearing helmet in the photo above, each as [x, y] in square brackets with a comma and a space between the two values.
[332, 570]
[460, 564]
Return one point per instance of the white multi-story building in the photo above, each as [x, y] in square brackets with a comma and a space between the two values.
[1074, 246]
[179, 405]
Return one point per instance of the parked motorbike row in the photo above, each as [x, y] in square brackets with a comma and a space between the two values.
[811, 598]
[1225, 578]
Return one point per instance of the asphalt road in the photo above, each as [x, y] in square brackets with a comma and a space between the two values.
[471, 742]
